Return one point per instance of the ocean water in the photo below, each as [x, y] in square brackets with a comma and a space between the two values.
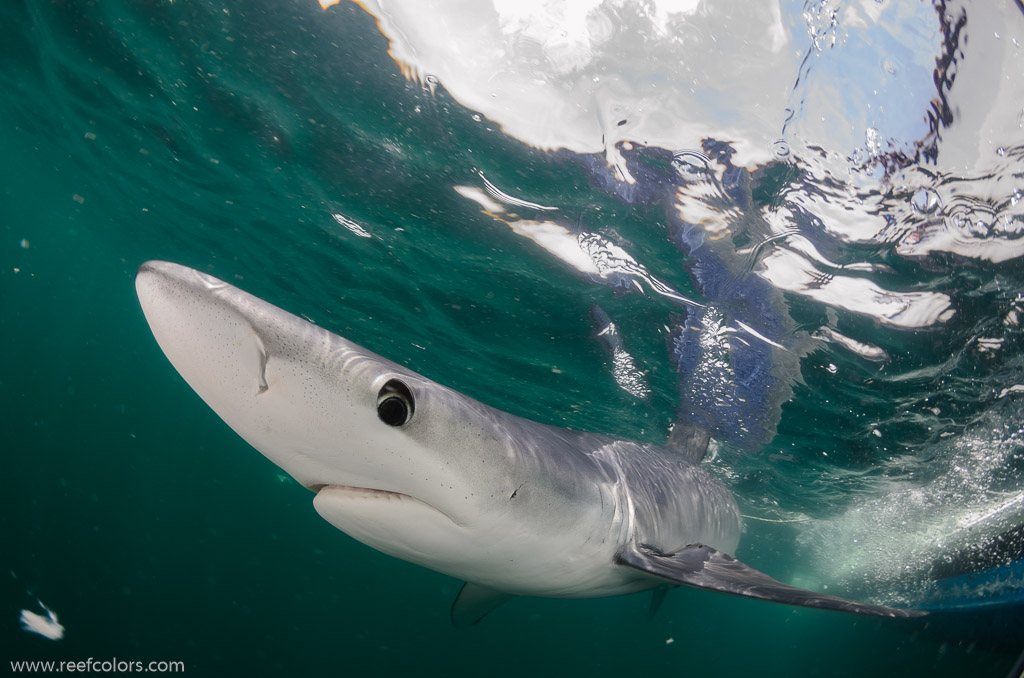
[456, 188]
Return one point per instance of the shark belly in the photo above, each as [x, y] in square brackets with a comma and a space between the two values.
[505, 558]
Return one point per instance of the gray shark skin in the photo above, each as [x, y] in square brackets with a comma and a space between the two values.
[426, 474]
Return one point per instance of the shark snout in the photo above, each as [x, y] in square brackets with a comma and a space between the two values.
[210, 341]
[325, 410]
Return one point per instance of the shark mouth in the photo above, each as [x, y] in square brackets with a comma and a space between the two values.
[367, 491]
[364, 491]
[353, 492]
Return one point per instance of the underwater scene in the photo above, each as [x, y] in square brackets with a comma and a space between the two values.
[759, 263]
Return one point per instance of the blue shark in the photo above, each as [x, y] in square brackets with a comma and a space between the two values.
[426, 474]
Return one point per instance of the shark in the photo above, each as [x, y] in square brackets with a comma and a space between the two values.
[421, 472]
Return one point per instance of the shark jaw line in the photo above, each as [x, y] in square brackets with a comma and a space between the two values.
[355, 492]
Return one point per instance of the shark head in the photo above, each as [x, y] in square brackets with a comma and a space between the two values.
[410, 467]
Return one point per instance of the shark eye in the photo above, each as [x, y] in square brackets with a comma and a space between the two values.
[395, 403]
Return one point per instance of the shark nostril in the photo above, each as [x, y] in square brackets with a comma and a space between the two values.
[395, 403]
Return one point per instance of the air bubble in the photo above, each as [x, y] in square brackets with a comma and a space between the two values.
[432, 82]
[925, 201]
[691, 165]
[781, 150]
[978, 228]
[872, 141]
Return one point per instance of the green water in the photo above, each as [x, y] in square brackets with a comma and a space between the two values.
[224, 137]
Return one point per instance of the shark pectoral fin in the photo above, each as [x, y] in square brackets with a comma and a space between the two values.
[705, 568]
[474, 602]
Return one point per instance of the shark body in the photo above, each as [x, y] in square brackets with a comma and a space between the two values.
[426, 474]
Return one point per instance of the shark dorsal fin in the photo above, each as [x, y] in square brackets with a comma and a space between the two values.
[689, 441]
[474, 602]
